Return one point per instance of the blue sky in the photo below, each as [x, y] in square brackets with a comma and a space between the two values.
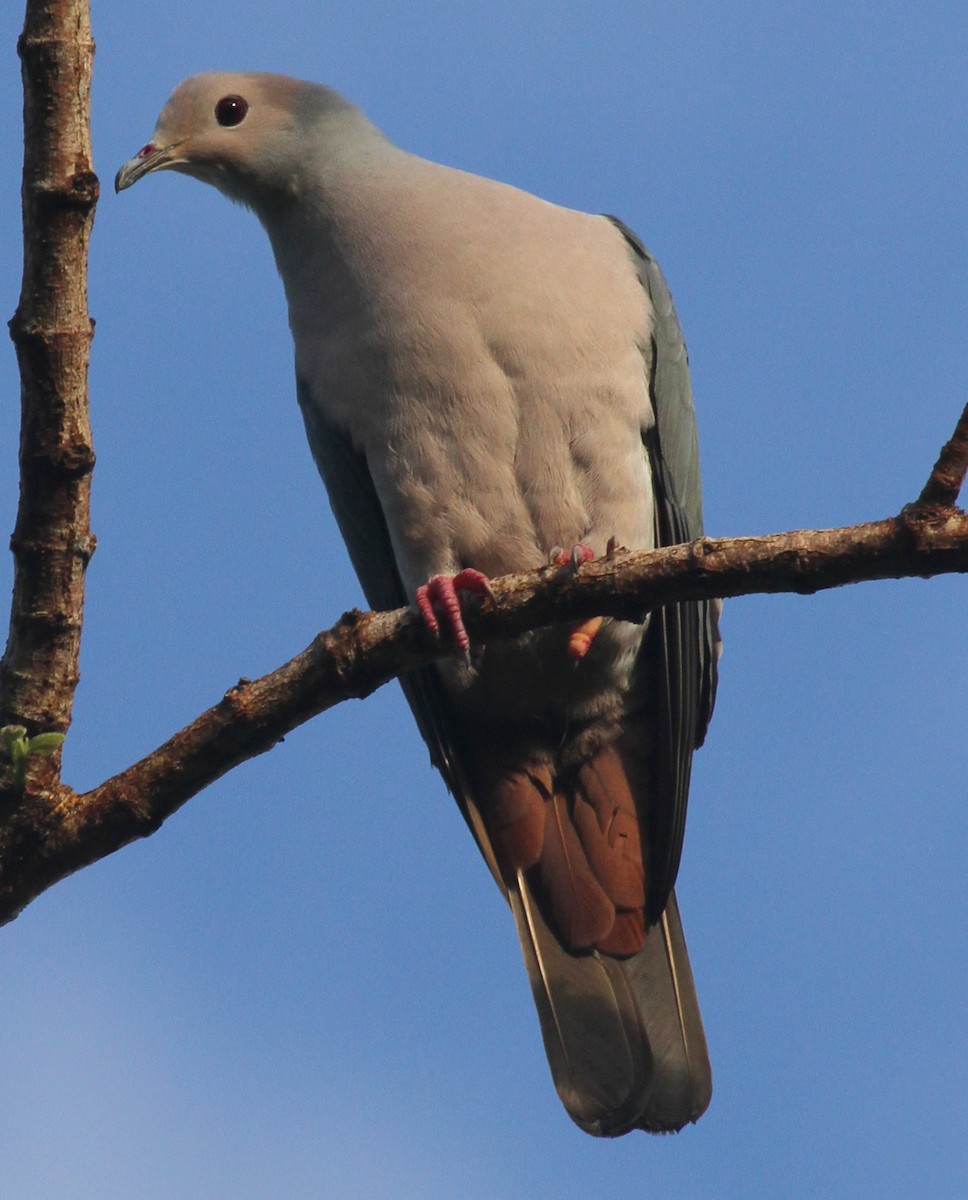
[306, 984]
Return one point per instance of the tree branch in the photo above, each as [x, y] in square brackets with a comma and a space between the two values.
[52, 541]
[945, 480]
[364, 650]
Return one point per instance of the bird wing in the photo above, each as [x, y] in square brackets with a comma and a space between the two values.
[680, 650]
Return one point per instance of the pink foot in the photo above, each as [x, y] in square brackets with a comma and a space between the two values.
[578, 554]
[439, 595]
[581, 636]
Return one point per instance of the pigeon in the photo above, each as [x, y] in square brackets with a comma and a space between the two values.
[491, 382]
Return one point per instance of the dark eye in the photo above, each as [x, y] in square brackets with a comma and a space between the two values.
[231, 110]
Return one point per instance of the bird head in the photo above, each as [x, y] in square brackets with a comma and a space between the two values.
[242, 133]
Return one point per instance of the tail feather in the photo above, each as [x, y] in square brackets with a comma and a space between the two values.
[583, 913]
[660, 978]
[616, 1000]
[624, 1039]
[607, 822]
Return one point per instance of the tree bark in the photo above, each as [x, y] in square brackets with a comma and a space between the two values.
[51, 329]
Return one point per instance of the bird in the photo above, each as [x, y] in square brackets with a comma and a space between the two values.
[491, 382]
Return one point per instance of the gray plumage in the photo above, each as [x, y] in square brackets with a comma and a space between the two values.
[486, 377]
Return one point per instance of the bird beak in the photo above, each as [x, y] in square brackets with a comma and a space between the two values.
[148, 158]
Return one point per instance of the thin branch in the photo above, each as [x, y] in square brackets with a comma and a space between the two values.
[44, 844]
[52, 331]
[948, 475]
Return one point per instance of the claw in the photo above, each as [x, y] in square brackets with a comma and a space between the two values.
[439, 596]
[578, 554]
[470, 580]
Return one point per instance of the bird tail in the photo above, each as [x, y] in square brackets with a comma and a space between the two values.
[617, 1002]
[624, 1037]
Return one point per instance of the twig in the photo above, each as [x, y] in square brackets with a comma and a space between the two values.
[948, 473]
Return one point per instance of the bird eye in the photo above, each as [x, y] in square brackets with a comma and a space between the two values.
[231, 110]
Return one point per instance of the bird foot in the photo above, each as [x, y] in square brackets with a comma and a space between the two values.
[581, 636]
[578, 554]
[439, 596]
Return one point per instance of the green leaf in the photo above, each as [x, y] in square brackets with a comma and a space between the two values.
[15, 744]
[45, 743]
